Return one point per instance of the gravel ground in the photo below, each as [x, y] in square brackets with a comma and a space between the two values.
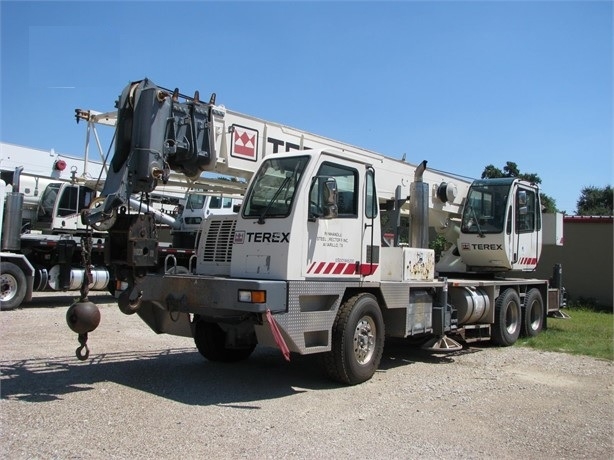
[141, 395]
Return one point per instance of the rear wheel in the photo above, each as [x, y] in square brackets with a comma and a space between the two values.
[12, 286]
[507, 318]
[357, 341]
[533, 314]
[210, 339]
[177, 270]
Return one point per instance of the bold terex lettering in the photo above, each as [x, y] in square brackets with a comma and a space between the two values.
[276, 143]
[488, 247]
[287, 145]
[268, 237]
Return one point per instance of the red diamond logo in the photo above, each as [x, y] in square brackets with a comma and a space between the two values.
[245, 143]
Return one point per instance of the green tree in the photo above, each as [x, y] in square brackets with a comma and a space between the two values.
[595, 201]
[511, 170]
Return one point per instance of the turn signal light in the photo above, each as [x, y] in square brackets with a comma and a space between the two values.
[252, 296]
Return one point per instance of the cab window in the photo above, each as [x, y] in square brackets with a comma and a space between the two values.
[347, 188]
[526, 220]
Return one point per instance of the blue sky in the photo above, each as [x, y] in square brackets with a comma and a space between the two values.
[460, 84]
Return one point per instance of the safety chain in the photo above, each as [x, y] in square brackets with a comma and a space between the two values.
[86, 257]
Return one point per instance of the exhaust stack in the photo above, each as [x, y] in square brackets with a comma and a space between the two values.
[419, 210]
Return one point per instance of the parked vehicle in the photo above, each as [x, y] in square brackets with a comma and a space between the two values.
[304, 266]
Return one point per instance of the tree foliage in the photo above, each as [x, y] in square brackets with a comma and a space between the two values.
[511, 170]
[595, 201]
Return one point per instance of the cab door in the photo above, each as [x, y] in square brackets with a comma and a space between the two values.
[371, 238]
[527, 228]
[335, 224]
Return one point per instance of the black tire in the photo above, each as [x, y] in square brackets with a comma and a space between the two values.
[532, 314]
[210, 339]
[177, 270]
[357, 341]
[12, 286]
[508, 318]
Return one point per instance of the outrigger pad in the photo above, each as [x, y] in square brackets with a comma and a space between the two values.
[442, 344]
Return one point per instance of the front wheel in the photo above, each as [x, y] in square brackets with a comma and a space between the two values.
[533, 314]
[12, 286]
[357, 341]
[507, 318]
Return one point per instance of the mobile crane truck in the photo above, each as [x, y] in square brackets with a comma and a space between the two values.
[304, 266]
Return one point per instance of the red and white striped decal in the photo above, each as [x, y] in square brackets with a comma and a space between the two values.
[528, 261]
[341, 268]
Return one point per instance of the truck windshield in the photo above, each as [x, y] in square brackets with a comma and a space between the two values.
[484, 211]
[45, 212]
[273, 189]
[195, 201]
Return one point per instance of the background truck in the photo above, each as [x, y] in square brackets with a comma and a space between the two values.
[42, 231]
[309, 264]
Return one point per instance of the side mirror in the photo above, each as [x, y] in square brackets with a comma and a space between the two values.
[329, 199]
[522, 198]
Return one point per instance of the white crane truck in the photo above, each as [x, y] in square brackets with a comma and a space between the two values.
[40, 221]
[305, 265]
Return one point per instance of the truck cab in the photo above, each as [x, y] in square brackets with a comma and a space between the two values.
[316, 204]
[501, 226]
[60, 207]
[198, 207]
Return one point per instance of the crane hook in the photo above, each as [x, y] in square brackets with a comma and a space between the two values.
[81, 355]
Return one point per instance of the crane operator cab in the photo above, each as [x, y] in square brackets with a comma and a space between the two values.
[501, 226]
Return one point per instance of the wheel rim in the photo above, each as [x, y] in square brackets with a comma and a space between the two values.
[512, 318]
[364, 340]
[534, 315]
[8, 286]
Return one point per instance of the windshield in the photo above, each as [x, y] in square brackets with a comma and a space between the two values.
[485, 209]
[195, 201]
[272, 192]
[48, 200]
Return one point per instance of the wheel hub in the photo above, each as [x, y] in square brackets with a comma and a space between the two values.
[8, 286]
[512, 318]
[364, 340]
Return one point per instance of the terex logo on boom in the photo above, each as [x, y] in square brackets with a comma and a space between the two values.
[277, 143]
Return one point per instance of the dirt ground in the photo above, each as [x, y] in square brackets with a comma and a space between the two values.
[141, 395]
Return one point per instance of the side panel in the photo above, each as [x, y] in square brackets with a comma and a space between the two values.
[312, 308]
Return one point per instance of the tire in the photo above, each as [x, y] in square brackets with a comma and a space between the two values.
[532, 314]
[12, 286]
[357, 341]
[178, 270]
[508, 318]
[210, 339]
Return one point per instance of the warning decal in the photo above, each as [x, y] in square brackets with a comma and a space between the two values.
[244, 143]
[341, 268]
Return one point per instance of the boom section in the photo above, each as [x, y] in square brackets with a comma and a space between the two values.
[159, 131]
